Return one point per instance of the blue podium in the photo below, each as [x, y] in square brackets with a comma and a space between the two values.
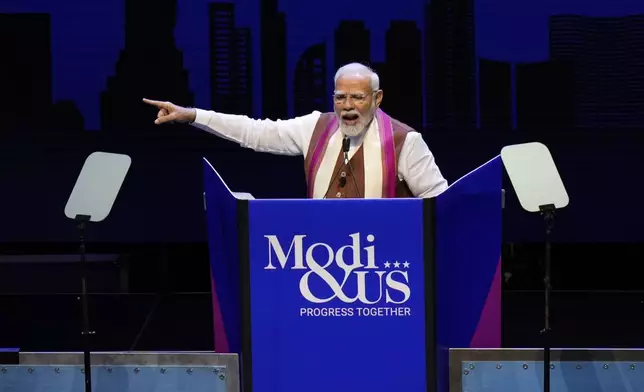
[355, 294]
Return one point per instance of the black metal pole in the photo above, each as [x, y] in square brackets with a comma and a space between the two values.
[81, 222]
[548, 213]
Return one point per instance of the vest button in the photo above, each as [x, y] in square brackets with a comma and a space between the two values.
[343, 174]
[339, 194]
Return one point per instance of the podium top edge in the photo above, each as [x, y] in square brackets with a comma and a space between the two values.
[205, 358]
[471, 172]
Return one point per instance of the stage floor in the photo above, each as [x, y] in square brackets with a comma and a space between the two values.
[482, 370]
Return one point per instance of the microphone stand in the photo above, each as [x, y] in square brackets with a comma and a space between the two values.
[346, 143]
[333, 179]
[548, 213]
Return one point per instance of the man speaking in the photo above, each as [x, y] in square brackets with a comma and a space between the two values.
[357, 151]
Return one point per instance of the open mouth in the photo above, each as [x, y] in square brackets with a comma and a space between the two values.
[350, 118]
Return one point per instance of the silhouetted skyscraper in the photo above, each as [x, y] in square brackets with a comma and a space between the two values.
[150, 66]
[544, 96]
[244, 73]
[352, 43]
[403, 56]
[66, 117]
[230, 62]
[25, 71]
[451, 64]
[310, 81]
[495, 94]
[607, 56]
[273, 46]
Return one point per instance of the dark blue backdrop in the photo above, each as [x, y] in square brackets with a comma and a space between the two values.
[472, 76]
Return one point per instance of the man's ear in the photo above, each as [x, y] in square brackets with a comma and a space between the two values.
[378, 97]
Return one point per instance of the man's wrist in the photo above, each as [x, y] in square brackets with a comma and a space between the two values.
[193, 115]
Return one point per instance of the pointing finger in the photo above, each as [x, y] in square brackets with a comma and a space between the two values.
[158, 104]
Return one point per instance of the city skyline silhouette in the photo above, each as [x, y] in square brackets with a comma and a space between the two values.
[482, 92]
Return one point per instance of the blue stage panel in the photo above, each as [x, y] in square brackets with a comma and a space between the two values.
[41, 378]
[221, 213]
[468, 264]
[337, 287]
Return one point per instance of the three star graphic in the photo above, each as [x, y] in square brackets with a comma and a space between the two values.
[396, 264]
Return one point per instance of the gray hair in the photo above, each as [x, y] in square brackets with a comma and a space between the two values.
[357, 69]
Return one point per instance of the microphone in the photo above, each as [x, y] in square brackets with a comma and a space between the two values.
[346, 144]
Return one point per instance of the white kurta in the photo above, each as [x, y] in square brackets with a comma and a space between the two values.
[416, 164]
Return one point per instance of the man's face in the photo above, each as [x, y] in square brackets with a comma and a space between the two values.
[355, 103]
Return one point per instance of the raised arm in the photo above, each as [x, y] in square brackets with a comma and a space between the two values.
[284, 137]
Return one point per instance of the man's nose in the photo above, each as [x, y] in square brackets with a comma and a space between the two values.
[348, 104]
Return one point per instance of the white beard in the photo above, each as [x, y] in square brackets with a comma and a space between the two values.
[351, 130]
[359, 127]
